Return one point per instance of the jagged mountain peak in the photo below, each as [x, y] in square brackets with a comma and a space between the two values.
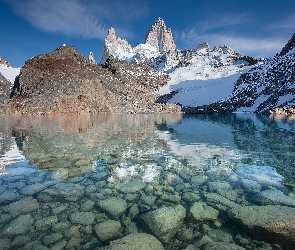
[111, 37]
[160, 37]
[289, 46]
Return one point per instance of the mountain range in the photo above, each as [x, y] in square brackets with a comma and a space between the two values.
[199, 80]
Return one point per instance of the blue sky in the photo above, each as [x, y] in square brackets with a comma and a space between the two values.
[251, 27]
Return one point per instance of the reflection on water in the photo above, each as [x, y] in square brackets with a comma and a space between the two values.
[81, 182]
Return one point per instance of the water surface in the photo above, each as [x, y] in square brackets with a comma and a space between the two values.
[63, 178]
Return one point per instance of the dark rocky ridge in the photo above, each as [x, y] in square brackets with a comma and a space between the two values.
[64, 81]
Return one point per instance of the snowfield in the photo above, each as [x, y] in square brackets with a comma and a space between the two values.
[9, 73]
[203, 92]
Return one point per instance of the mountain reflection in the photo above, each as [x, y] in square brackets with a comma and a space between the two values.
[71, 144]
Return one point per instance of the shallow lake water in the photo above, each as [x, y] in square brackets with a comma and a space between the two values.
[156, 181]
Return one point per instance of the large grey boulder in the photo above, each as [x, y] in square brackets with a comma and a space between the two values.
[62, 192]
[133, 186]
[271, 223]
[113, 207]
[19, 226]
[164, 222]
[200, 212]
[137, 241]
[108, 230]
[24, 206]
[222, 246]
[83, 218]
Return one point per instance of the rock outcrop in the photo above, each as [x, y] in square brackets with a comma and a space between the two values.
[64, 81]
[4, 62]
[160, 37]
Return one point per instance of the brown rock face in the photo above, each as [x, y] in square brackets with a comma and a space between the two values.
[64, 81]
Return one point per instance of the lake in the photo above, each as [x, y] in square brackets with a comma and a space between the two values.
[149, 181]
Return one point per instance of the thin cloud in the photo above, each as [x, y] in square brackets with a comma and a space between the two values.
[86, 19]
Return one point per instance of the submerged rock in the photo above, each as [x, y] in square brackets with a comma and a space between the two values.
[24, 206]
[136, 241]
[62, 192]
[200, 212]
[132, 186]
[274, 224]
[19, 226]
[164, 222]
[83, 218]
[222, 246]
[108, 230]
[113, 207]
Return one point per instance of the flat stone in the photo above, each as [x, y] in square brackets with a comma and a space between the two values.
[87, 206]
[19, 226]
[200, 212]
[62, 192]
[24, 206]
[137, 241]
[108, 230]
[19, 241]
[83, 218]
[164, 222]
[222, 246]
[175, 198]
[45, 223]
[51, 239]
[272, 223]
[132, 186]
[34, 188]
[113, 207]
[9, 196]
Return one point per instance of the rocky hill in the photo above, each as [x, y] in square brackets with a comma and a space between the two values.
[266, 88]
[64, 81]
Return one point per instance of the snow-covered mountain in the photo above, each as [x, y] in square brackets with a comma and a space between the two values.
[266, 88]
[8, 71]
[187, 69]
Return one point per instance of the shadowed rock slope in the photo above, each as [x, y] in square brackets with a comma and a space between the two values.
[64, 81]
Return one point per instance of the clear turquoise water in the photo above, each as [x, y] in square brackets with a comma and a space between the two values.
[56, 166]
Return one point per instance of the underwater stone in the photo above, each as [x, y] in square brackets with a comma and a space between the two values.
[62, 192]
[136, 241]
[175, 198]
[131, 228]
[60, 227]
[87, 206]
[164, 222]
[73, 243]
[51, 238]
[45, 223]
[251, 186]
[19, 241]
[24, 206]
[133, 211]
[9, 196]
[271, 223]
[190, 197]
[19, 226]
[113, 207]
[200, 212]
[83, 218]
[132, 186]
[222, 246]
[108, 230]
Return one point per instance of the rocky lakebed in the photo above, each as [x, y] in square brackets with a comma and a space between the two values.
[137, 193]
